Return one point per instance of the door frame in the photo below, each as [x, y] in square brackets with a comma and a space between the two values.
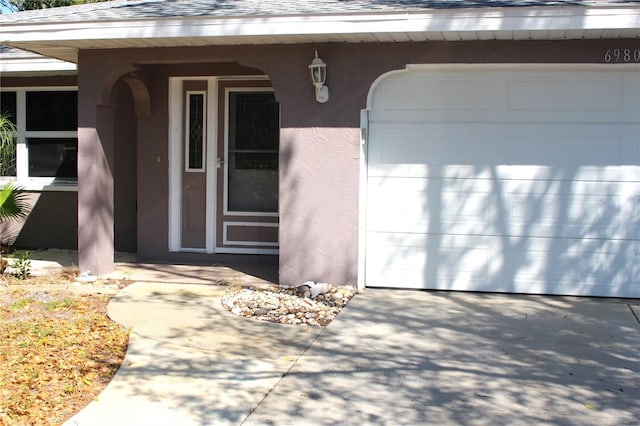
[176, 100]
[176, 160]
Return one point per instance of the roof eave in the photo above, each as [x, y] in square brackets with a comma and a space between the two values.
[499, 23]
[22, 63]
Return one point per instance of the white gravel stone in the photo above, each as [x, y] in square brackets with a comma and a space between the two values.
[286, 305]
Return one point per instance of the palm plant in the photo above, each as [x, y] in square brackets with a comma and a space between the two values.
[13, 205]
[7, 146]
[13, 201]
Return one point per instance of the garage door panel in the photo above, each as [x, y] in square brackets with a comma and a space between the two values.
[504, 207]
[628, 174]
[566, 94]
[625, 173]
[434, 205]
[562, 214]
[492, 263]
[513, 115]
[573, 266]
[531, 186]
[560, 146]
[566, 146]
[460, 259]
[435, 144]
[535, 96]
[442, 95]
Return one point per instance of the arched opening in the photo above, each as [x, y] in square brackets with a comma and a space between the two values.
[125, 141]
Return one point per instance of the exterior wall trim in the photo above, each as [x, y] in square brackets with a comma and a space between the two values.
[227, 250]
[211, 191]
[362, 198]
[175, 165]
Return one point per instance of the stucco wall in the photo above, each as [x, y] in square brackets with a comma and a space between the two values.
[319, 205]
[319, 153]
[52, 222]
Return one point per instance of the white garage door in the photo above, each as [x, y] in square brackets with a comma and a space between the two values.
[505, 180]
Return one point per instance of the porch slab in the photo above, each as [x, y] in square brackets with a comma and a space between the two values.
[127, 268]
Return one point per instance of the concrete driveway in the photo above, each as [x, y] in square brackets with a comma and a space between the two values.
[408, 357]
[391, 357]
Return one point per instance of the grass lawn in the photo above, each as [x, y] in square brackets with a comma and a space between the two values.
[58, 349]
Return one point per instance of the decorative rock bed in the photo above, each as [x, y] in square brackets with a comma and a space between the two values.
[286, 305]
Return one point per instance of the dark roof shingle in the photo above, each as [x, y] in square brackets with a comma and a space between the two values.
[157, 9]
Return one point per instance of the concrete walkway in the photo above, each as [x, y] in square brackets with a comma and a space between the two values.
[190, 362]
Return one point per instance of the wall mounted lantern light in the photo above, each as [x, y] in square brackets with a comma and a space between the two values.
[318, 77]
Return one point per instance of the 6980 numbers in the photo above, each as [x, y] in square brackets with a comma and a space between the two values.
[621, 55]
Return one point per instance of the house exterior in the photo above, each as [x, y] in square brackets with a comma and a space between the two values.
[28, 82]
[464, 145]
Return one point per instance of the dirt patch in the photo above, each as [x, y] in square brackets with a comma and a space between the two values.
[58, 349]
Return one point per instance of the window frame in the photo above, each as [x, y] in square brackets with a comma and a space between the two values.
[22, 151]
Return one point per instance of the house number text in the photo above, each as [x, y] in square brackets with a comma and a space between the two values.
[617, 56]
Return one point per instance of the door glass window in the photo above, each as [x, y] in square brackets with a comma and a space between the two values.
[195, 131]
[254, 134]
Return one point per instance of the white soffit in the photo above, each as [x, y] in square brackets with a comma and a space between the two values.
[24, 63]
[62, 39]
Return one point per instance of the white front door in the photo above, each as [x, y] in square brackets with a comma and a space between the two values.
[505, 180]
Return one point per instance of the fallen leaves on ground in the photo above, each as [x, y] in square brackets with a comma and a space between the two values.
[58, 351]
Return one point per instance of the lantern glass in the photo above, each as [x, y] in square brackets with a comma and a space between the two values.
[318, 73]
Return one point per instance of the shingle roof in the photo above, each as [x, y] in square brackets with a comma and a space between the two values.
[154, 9]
